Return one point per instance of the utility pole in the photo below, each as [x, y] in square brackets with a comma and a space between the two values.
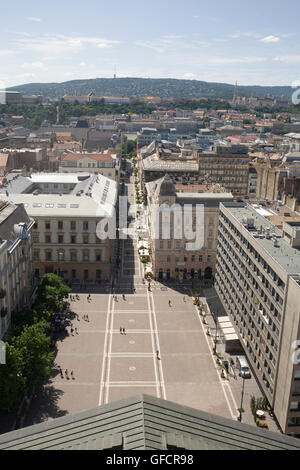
[242, 398]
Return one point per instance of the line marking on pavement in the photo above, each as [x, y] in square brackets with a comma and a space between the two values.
[104, 351]
[130, 382]
[153, 346]
[125, 354]
[158, 347]
[234, 416]
[109, 349]
[75, 382]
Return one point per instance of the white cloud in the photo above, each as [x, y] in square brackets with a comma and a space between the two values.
[34, 65]
[189, 76]
[234, 60]
[288, 59]
[6, 52]
[33, 18]
[150, 45]
[270, 39]
[53, 46]
[246, 34]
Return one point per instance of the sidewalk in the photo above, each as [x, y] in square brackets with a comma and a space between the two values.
[234, 381]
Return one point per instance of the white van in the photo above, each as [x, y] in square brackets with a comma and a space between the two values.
[244, 368]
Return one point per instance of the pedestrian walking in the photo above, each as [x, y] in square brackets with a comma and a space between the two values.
[76, 331]
[61, 373]
[157, 354]
[121, 330]
[124, 331]
[72, 331]
[87, 318]
[169, 303]
[124, 298]
[66, 374]
[184, 299]
[72, 375]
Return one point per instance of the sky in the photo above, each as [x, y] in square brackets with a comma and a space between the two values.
[253, 42]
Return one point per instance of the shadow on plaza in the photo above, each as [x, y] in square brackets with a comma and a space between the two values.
[123, 278]
[188, 288]
[44, 405]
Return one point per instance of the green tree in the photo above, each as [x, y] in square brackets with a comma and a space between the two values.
[51, 293]
[12, 381]
[36, 358]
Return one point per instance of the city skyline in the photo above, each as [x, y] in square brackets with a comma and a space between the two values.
[253, 43]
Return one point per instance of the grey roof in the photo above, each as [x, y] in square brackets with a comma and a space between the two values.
[11, 216]
[17, 184]
[165, 186]
[143, 422]
[287, 257]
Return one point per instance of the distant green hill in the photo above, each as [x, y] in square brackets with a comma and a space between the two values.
[162, 87]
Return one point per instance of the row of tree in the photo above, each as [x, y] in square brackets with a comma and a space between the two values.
[34, 115]
[28, 349]
[128, 148]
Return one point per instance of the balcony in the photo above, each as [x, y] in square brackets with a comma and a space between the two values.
[2, 293]
[3, 312]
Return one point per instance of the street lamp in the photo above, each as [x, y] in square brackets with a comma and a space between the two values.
[242, 398]
[215, 317]
[60, 257]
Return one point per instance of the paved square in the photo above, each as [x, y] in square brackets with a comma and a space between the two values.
[165, 351]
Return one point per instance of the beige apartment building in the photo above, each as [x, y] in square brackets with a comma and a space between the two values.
[105, 164]
[227, 165]
[16, 263]
[170, 257]
[66, 210]
[258, 282]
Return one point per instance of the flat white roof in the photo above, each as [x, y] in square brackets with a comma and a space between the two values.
[58, 177]
[100, 203]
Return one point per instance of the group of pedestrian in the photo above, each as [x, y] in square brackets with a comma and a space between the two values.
[122, 331]
[72, 331]
[66, 374]
[73, 298]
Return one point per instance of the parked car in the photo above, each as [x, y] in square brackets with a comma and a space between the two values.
[244, 368]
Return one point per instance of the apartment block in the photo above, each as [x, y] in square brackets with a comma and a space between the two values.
[16, 263]
[228, 166]
[258, 281]
[172, 258]
[97, 163]
[66, 209]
